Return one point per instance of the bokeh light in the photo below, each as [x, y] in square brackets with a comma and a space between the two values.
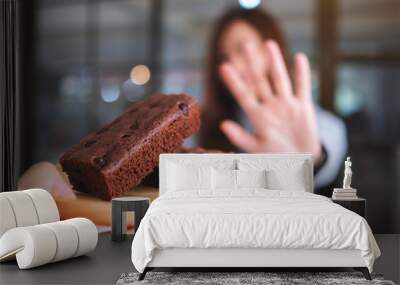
[249, 4]
[110, 93]
[140, 74]
[132, 92]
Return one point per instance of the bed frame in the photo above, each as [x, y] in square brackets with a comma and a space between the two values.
[242, 259]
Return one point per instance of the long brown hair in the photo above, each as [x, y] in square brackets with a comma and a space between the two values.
[218, 103]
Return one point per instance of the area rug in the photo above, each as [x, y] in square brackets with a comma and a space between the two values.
[225, 278]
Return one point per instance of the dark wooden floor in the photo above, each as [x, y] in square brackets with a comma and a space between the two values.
[102, 266]
[110, 260]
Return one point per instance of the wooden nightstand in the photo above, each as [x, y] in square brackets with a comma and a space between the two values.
[358, 206]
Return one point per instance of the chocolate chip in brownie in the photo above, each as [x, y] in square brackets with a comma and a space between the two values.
[184, 108]
[100, 162]
[103, 130]
[153, 105]
[134, 126]
[89, 143]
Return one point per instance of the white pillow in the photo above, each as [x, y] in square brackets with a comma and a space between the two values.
[183, 177]
[224, 179]
[282, 174]
[251, 178]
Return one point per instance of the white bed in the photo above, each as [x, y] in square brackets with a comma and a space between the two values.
[280, 224]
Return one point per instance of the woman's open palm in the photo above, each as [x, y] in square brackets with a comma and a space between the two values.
[283, 118]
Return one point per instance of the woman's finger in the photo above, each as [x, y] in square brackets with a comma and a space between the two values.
[238, 88]
[279, 73]
[257, 73]
[302, 76]
[238, 136]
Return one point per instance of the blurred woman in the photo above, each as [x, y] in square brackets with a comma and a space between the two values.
[253, 105]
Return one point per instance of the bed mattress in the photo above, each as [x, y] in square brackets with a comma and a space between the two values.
[250, 219]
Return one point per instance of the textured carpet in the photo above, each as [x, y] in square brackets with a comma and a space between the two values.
[226, 278]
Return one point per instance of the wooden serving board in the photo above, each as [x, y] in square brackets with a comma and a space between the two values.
[97, 210]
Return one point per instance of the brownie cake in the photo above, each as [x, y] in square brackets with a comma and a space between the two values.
[118, 156]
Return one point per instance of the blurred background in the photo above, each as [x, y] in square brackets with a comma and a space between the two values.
[85, 61]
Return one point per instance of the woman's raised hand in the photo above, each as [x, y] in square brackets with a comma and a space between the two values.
[283, 117]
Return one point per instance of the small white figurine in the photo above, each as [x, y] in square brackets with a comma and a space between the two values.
[347, 174]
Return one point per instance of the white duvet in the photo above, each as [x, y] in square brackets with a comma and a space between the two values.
[250, 219]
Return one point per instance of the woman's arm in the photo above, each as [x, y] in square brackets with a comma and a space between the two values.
[333, 137]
